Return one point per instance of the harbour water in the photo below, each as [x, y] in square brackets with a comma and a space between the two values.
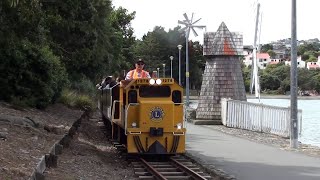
[310, 117]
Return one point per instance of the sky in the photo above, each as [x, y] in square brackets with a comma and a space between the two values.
[238, 15]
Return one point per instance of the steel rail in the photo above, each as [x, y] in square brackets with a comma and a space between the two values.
[154, 172]
[189, 171]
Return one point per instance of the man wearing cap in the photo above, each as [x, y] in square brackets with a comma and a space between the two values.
[138, 72]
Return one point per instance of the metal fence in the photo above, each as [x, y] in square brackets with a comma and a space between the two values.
[258, 117]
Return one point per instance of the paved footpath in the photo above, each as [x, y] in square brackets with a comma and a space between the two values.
[247, 160]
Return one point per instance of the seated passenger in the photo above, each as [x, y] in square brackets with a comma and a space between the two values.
[138, 72]
[106, 83]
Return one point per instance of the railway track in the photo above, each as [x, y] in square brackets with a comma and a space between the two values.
[164, 168]
[176, 167]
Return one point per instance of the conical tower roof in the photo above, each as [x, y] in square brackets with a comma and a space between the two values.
[223, 42]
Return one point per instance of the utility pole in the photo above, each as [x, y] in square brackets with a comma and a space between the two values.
[179, 47]
[255, 69]
[171, 58]
[294, 79]
[158, 74]
[164, 70]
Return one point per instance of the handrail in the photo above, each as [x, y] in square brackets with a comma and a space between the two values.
[110, 99]
[126, 116]
[113, 109]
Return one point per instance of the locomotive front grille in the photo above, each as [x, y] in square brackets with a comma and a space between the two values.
[156, 131]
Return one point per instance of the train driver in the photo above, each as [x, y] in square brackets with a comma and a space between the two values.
[138, 72]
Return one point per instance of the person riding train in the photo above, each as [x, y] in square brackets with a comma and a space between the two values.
[138, 72]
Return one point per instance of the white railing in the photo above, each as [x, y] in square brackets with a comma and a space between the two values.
[258, 117]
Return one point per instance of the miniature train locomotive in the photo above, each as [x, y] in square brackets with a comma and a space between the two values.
[145, 115]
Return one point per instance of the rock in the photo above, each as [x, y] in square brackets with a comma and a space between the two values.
[55, 129]
[3, 135]
[15, 120]
[34, 138]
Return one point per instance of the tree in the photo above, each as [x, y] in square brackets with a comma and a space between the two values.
[266, 47]
[302, 49]
[269, 81]
[315, 81]
[304, 79]
[122, 40]
[271, 53]
[14, 3]
[305, 57]
[154, 49]
[196, 63]
[80, 34]
[31, 74]
[279, 72]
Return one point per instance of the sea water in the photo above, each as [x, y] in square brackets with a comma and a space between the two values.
[310, 117]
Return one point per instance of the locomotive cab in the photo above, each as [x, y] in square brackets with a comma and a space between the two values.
[147, 116]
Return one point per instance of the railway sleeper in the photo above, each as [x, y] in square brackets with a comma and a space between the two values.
[168, 177]
[159, 169]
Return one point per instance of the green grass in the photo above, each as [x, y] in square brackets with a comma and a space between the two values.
[76, 100]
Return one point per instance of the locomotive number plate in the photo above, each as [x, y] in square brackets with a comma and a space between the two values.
[156, 114]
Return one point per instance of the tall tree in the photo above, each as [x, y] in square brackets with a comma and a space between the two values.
[31, 73]
[266, 47]
[122, 39]
[80, 34]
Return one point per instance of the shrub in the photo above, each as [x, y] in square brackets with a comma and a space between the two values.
[74, 99]
[84, 86]
[83, 101]
[31, 74]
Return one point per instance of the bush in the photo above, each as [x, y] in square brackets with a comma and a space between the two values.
[83, 101]
[84, 86]
[74, 99]
[31, 74]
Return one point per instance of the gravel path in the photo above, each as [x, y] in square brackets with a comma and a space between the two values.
[91, 156]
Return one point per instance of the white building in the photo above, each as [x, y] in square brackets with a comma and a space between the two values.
[313, 65]
[263, 60]
[300, 63]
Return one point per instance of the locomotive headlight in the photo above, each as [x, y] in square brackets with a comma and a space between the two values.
[134, 124]
[158, 81]
[179, 126]
[152, 81]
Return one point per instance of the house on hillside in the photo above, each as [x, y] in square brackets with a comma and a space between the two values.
[300, 63]
[313, 65]
[263, 60]
[247, 49]
[276, 61]
[282, 53]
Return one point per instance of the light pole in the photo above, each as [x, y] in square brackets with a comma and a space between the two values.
[164, 70]
[294, 78]
[158, 75]
[179, 47]
[171, 58]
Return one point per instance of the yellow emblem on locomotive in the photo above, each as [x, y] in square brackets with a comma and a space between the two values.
[156, 114]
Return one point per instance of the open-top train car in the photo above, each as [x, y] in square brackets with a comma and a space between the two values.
[146, 115]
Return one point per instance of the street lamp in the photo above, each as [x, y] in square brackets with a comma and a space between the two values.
[179, 47]
[171, 58]
[158, 75]
[164, 70]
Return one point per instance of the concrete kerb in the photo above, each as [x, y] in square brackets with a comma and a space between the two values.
[217, 174]
[51, 159]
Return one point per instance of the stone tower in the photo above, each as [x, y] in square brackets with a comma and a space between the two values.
[222, 76]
